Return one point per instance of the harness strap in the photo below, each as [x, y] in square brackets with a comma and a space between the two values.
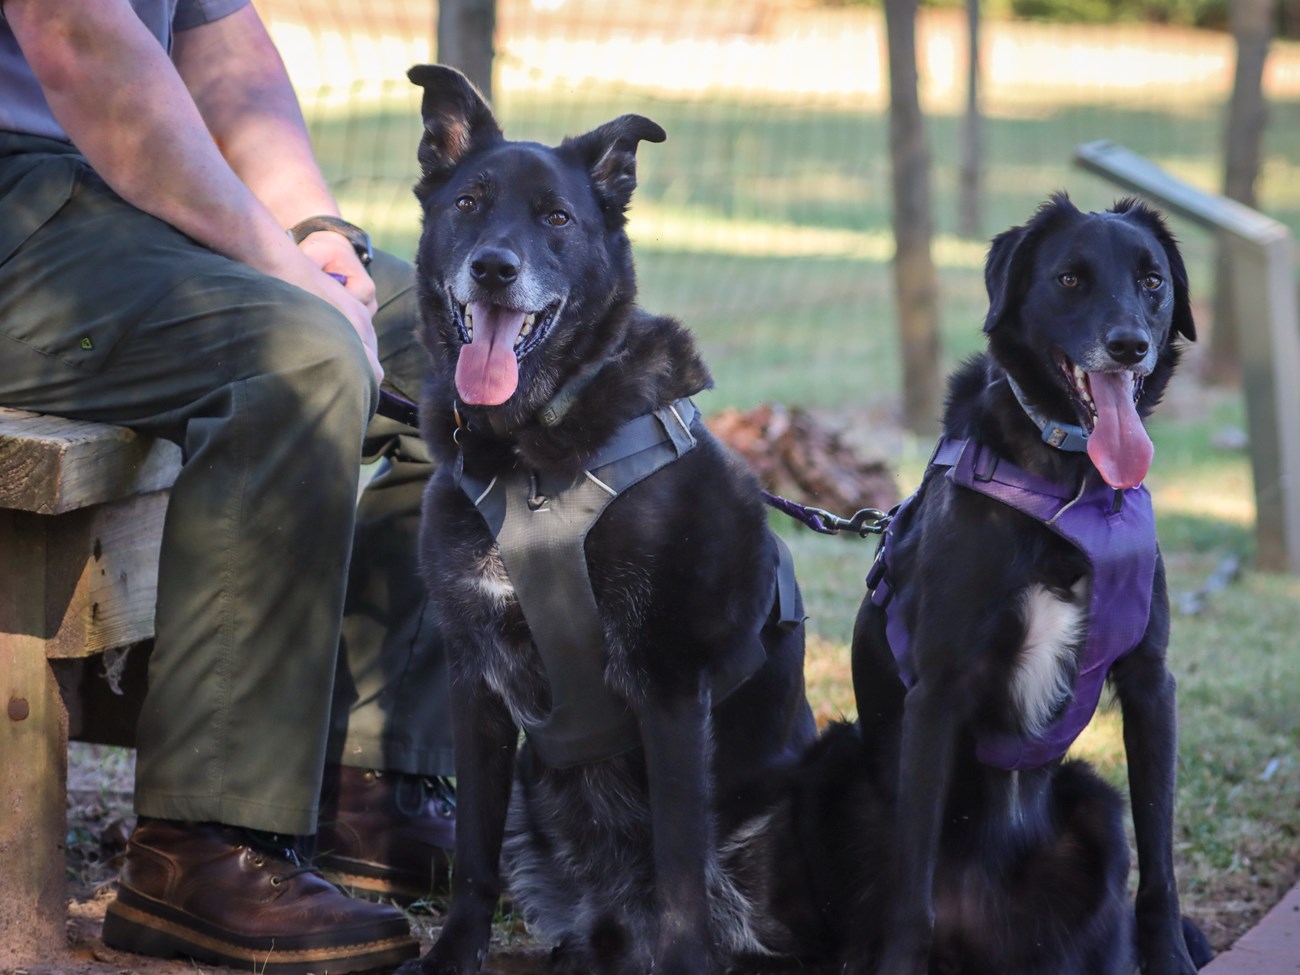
[541, 527]
[1115, 530]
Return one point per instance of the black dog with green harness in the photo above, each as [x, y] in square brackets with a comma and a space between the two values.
[604, 575]
[541, 523]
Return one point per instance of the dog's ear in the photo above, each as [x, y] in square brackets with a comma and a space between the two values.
[608, 153]
[1133, 209]
[1011, 255]
[1002, 273]
[456, 119]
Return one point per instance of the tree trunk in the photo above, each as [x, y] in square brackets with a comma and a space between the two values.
[915, 280]
[1252, 26]
[464, 39]
[972, 133]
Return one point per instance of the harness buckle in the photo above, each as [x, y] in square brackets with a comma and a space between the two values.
[984, 464]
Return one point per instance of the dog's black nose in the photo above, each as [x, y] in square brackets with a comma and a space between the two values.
[1127, 345]
[495, 266]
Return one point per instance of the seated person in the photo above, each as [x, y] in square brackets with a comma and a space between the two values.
[153, 159]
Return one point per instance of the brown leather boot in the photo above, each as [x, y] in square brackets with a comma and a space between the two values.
[226, 896]
[387, 834]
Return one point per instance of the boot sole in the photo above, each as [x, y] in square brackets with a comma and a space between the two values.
[380, 888]
[129, 928]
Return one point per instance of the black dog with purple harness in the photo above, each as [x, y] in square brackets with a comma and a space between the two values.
[1022, 575]
[1113, 527]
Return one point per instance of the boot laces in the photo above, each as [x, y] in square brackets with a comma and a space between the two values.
[279, 849]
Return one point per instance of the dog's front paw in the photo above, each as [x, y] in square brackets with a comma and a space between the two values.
[437, 963]
[1166, 955]
[452, 954]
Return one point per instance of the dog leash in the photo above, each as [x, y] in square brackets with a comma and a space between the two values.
[864, 522]
[398, 408]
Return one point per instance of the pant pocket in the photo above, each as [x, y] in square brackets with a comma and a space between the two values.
[78, 266]
[32, 190]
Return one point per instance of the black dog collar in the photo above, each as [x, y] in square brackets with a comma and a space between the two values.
[552, 412]
[1063, 436]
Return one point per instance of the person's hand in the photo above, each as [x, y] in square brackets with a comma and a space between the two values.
[297, 267]
[334, 254]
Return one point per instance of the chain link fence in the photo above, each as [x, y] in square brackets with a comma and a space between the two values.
[764, 221]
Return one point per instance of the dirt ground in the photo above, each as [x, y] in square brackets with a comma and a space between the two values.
[100, 819]
[99, 822]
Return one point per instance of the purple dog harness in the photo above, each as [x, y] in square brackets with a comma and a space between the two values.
[1114, 529]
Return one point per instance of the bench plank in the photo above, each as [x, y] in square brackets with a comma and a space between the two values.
[51, 465]
[101, 575]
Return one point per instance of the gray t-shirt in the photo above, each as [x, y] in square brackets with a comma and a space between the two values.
[22, 104]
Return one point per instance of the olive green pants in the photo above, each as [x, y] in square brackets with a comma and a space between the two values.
[291, 627]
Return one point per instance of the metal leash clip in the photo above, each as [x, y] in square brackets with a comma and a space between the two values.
[865, 521]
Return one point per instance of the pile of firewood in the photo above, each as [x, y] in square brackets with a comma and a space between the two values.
[800, 458]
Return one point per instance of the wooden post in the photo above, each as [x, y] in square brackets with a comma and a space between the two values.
[1263, 259]
[33, 761]
[82, 507]
[464, 38]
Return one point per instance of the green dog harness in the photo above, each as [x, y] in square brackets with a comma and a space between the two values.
[541, 528]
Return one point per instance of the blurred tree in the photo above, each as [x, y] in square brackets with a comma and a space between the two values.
[972, 133]
[1252, 24]
[915, 280]
[464, 37]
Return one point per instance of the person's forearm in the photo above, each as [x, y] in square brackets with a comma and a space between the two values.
[121, 101]
[238, 81]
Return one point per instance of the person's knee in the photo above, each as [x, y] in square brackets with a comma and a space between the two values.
[321, 363]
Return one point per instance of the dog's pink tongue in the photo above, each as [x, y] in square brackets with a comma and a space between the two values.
[1118, 445]
[487, 371]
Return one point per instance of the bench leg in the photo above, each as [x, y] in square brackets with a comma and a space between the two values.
[33, 756]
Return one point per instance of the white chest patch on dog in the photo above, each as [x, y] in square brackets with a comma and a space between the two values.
[492, 580]
[1042, 680]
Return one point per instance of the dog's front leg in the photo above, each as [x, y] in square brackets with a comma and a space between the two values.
[485, 739]
[677, 742]
[931, 717]
[1146, 694]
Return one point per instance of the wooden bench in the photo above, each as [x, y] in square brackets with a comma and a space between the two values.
[81, 514]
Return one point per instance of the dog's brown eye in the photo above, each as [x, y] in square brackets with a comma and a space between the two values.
[466, 204]
[1068, 280]
[1152, 281]
[557, 218]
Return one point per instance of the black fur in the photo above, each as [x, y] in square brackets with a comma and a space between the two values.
[1017, 872]
[654, 860]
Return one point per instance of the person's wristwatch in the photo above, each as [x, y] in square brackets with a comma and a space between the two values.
[358, 238]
